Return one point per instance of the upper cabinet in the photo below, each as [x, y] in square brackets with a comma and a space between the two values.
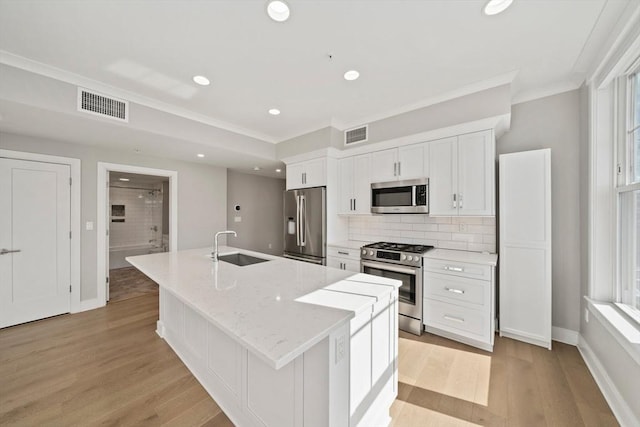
[311, 173]
[462, 175]
[407, 162]
[354, 185]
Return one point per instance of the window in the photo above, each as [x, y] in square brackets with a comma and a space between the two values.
[629, 199]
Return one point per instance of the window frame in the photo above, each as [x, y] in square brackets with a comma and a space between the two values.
[624, 168]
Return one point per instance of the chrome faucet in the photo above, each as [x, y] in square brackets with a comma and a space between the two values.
[216, 252]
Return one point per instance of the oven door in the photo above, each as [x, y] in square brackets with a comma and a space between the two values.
[409, 295]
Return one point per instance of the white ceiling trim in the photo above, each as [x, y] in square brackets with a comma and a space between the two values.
[36, 67]
[550, 90]
[496, 81]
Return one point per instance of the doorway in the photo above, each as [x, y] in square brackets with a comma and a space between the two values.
[137, 215]
[138, 224]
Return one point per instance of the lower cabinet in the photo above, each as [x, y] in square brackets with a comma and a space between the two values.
[459, 301]
[343, 258]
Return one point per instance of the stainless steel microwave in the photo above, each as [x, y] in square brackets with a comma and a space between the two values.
[400, 197]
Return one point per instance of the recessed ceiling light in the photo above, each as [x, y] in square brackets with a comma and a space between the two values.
[278, 170]
[351, 75]
[274, 111]
[494, 7]
[124, 179]
[256, 168]
[201, 80]
[278, 10]
[200, 155]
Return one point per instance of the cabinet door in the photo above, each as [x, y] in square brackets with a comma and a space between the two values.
[334, 262]
[315, 173]
[443, 180]
[411, 161]
[362, 184]
[345, 185]
[476, 174]
[294, 175]
[384, 165]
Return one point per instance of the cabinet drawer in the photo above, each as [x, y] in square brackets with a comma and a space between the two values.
[462, 269]
[344, 264]
[458, 290]
[341, 252]
[456, 319]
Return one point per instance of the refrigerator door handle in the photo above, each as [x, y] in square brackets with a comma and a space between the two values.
[298, 220]
[303, 217]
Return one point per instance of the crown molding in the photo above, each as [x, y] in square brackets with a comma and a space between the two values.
[553, 89]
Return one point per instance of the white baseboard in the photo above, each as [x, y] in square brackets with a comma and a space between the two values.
[90, 304]
[619, 406]
[566, 336]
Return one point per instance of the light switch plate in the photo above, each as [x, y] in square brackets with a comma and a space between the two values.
[89, 225]
[237, 219]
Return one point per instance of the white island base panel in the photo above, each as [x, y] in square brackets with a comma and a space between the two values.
[347, 379]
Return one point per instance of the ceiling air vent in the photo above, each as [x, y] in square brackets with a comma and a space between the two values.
[102, 105]
[357, 135]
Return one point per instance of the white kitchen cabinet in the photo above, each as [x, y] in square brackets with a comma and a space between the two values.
[343, 258]
[525, 246]
[459, 301]
[407, 162]
[310, 173]
[354, 185]
[462, 175]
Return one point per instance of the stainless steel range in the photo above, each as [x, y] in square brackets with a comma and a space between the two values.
[402, 262]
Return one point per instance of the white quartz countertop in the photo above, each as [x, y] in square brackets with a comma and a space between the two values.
[462, 256]
[351, 244]
[255, 304]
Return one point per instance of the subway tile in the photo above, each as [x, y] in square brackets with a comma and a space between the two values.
[399, 226]
[412, 234]
[491, 220]
[480, 229]
[429, 242]
[437, 235]
[470, 220]
[443, 220]
[425, 227]
[489, 238]
[452, 228]
[413, 219]
[467, 237]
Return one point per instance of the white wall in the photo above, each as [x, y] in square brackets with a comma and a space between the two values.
[202, 195]
[554, 122]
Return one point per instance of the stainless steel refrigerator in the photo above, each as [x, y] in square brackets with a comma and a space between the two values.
[305, 224]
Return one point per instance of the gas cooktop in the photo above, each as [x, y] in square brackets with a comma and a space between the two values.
[397, 253]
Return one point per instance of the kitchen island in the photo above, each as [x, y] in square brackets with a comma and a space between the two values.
[281, 342]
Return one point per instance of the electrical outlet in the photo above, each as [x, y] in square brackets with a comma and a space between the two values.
[89, 225]
[237, 219]
[463, 227]
[270, 246]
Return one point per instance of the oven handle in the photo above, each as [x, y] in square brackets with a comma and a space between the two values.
[390, 267]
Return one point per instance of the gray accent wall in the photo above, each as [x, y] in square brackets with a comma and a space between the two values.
[554, 122]
[202, 195]
[261, 212]
[487, 103]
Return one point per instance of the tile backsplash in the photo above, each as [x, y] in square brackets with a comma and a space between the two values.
[142, 223]
[476, 234]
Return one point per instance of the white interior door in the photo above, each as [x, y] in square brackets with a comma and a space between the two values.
[35, 241]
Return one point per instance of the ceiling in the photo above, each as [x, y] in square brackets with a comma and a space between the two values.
[409, 54]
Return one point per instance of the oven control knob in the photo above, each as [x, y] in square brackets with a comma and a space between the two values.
[364, 252]
[410, 258]
[403, 257]
[370, 252]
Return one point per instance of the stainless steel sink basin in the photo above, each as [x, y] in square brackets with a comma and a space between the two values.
[241, 259]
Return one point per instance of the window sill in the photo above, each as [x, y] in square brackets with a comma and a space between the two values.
[625, 330]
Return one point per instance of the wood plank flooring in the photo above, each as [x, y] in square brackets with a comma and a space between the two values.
[108, 367]
[129, 282]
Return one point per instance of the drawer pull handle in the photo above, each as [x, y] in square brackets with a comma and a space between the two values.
[343, 253]
[453, 318]
[455, 291]
[450, 268]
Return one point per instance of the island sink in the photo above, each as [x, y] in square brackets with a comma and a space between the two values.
[241, 259]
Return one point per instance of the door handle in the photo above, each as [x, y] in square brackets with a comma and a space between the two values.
[460, 200]
[399, 168]
[354, 204]
[303, 217]
[455, 205]
[454, 290]
[395, 169]
[4, 251]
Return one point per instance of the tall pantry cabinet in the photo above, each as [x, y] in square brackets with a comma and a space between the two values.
[525, 246]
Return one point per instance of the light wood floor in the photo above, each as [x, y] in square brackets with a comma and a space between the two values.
[108, 366]
[129, 282]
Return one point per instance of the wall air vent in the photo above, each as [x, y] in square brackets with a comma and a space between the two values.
[102, 105]
[357, 135]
